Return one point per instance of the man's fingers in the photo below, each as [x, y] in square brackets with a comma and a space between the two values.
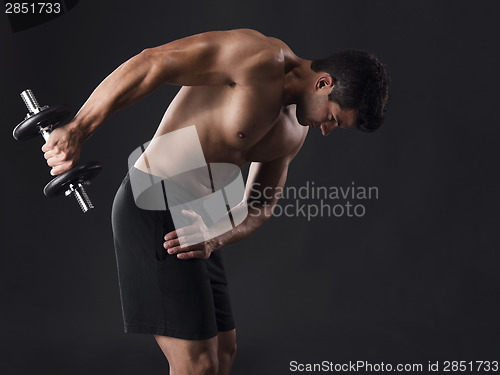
[191, 214]
[179, 249]
[173, 250]
[192, 254]
[60, 168]
[190, 229]
[55, 153]
[184, 231]
[184, 241]
[171, 243]
[54, 156]
[49, 151]
[170, 235]
[182, 248]
[55, 171]
[53, 161]
[49, 144]
[46, 147]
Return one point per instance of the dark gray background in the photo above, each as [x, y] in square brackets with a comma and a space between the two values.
[415, 280]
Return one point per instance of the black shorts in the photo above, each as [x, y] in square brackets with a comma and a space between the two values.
[161, 294]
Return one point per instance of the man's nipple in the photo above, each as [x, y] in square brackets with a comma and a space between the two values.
[242, 135]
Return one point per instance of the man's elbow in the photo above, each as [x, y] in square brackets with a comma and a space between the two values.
[261, 212]
[153, 56]
[268, 213]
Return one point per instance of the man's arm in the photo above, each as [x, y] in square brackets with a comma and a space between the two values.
[212, 58]
[263, 188]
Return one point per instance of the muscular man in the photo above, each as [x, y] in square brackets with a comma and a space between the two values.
[252, 100]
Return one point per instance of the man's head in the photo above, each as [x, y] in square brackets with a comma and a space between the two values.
[350, 90]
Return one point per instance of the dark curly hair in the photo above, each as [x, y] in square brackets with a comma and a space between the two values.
[361, 83]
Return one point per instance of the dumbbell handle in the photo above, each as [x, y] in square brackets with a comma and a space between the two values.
[80, 195]
[33, 108]
[30, 101]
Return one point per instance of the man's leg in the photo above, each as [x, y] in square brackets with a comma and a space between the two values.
[226, 351]
[190, 357]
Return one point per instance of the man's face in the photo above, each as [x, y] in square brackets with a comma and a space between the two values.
[317, 111]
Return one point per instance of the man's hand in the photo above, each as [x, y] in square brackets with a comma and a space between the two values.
[62, 149]
[192, 241]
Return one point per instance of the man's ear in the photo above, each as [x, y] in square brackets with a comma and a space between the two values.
[325, 82]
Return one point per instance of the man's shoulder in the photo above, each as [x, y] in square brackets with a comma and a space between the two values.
[258, 42]
[244, 38]
[254, 37]
[247, 43]
[263, 57]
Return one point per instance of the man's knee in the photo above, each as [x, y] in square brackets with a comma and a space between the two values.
[227, 346]
[226, 356]
[230, 351]
[205, 364]
[190, 357]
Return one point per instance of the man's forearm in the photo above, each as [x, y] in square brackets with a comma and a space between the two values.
[130, 82]
[257, 215]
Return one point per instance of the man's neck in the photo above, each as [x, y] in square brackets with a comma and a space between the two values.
[296, 81]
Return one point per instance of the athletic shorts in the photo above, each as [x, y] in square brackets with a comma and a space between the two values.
[161, 294]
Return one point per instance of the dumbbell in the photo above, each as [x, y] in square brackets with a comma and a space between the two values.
[42, 120]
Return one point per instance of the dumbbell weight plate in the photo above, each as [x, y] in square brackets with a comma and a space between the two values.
[53, 115]
[60, 184]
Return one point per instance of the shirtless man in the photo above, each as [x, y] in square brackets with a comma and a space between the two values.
[252, 101]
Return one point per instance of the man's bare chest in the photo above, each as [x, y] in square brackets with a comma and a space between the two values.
[236, 126]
